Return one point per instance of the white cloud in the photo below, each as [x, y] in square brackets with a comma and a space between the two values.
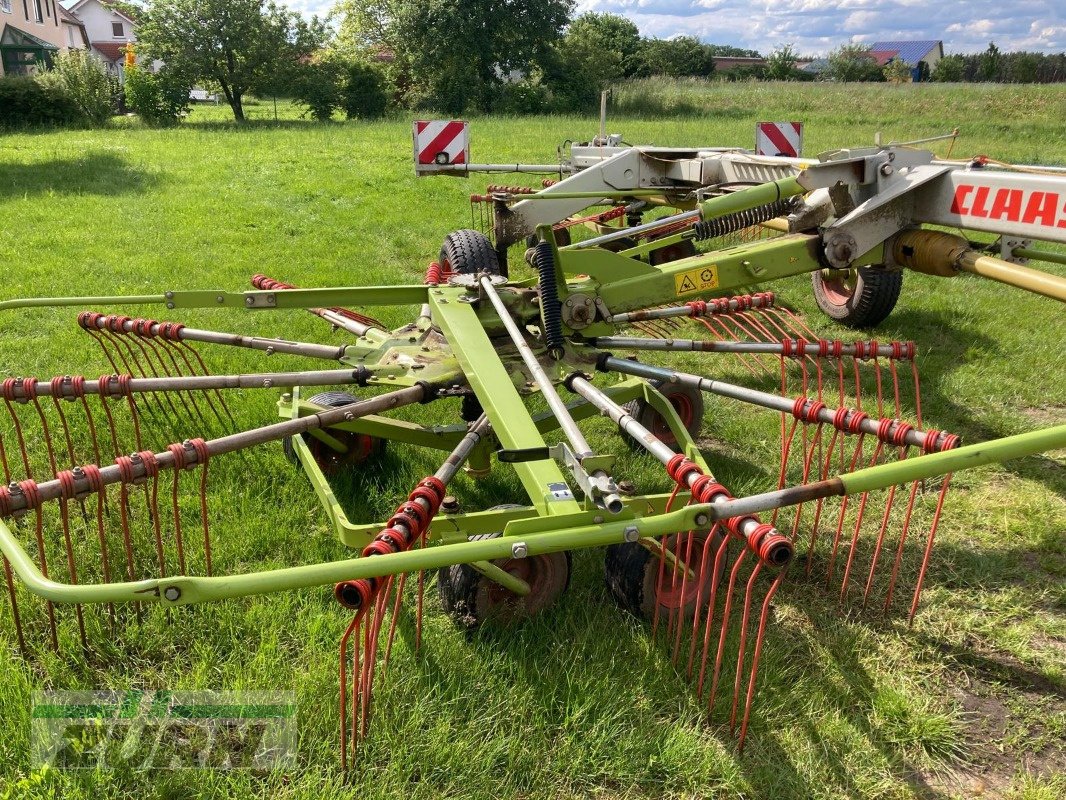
[816, 26]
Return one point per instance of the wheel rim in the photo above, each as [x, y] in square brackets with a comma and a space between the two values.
[673, 589]
[682, 404]
[359, 447]
[546, 578]
[839, 285]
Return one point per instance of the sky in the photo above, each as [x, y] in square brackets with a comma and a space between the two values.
[817, 26]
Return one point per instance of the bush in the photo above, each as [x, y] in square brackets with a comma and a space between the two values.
[319, 87]
[364, 92]
[523, 97]
[27, 101]
[86, 82]
[160, 98]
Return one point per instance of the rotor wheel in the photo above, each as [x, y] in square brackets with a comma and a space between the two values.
[687, 402]
[686, 248]
[562, 238]
[472, 600]
[861, 297]
[467, 252]
[360, 447]
[632, 573]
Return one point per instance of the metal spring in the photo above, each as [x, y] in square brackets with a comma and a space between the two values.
[731, 223]
[550, 307]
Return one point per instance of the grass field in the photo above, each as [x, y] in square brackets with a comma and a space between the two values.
[971, 701]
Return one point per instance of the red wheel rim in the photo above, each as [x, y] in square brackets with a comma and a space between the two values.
[360, 446]
[839, 285]
[676, 591]
[682, 404]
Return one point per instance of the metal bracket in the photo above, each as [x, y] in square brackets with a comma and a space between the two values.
[1007, 246]
[597, 486]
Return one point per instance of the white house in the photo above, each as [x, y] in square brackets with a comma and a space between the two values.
[109, 30]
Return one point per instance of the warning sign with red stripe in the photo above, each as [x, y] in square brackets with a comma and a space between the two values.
[440, 144]
[779, 139]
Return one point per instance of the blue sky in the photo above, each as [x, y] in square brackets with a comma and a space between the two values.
[817, 26]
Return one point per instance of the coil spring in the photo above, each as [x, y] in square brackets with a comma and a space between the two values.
[550, 308]
[731, 223]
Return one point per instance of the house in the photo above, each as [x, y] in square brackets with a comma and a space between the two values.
[929, 52]
[31, 33]
[109, 31]
[726, 63]
[74, 34]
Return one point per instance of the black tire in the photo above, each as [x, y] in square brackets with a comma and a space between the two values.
[361, 447]
[472, 600]
[686, 248]
[562, 238]
[857, 298]
[467, 252]
[687, 402]
[632, 574]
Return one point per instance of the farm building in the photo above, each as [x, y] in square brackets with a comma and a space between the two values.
[927, 52]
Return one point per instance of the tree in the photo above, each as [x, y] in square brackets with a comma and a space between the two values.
[897, 71]
[949, 69]
[452, 54]
[682, 56]
[989, 65]
[612, 32]
[781, 63]
[237, 44]
[852, 62]
[581, 66]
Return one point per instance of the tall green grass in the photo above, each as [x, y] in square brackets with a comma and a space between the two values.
[576, 703]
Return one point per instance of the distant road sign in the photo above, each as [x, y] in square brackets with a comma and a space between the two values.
[779, 138]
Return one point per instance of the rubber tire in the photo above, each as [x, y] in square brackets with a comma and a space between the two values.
[464, 592]
[467, 252]
[333, 400]
[872, 299]
[686, 248]
[653, 421]
[631, 573]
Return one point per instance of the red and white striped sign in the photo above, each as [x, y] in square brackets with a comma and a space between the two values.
[440, 144]
[779, 139]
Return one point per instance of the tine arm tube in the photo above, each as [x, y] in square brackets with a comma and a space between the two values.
[50, 490]
[773, 402]
[159, 329]
[758, 348]
[257, 380]
[746, 527]
[611, 499]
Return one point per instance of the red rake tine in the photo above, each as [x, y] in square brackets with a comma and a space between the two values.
[742, 645]
[928, 548]
[704, 560]
[711, 603]
[759, 637]
[685, 568]
[9, 579]
[725, 625]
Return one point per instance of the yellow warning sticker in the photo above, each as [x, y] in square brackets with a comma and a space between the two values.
[696, 280]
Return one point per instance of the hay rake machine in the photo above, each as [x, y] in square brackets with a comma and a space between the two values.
[97, 504]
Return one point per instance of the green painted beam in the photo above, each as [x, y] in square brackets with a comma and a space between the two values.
[973, 455]
[492, 383]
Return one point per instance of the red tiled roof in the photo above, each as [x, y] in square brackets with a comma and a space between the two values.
[882, 57]
[112, 51]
